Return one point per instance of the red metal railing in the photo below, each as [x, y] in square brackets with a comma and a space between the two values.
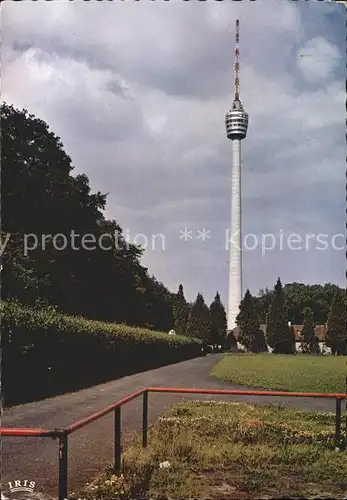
[319, 395]
[62, 434]
[95, 416]
[23, 432]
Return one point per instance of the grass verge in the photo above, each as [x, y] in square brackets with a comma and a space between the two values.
[284, 372]
[219, 450]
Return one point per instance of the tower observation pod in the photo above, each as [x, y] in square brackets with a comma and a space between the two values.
[236, 122]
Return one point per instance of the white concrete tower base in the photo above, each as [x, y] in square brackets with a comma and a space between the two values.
[235, 244]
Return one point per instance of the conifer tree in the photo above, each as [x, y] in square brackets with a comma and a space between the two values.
[336, 337]
[180, 312]
[218, 322]
[199, 321]
[309, 341]
[251, 336]
[230, 341]
[292, 339]
[279, 335]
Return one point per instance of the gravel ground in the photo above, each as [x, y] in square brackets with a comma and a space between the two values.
[91, 448]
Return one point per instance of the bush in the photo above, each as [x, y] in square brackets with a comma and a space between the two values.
[47, 353]
[230, 343]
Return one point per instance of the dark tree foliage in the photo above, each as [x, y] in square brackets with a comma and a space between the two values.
[218, 322]
[279, 335]
[61, 222]
[199, 321]
[251, 336]
[259, 342]
[159, 306]
[292, 339]
[336, 336]
[180, 312]
[297, 296]
[263, 302]
[309, 341]
[230, 341]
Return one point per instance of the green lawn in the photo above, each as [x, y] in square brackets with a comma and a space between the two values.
[287, 373]
[219, 450]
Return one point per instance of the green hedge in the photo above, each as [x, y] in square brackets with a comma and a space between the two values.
[47, 353]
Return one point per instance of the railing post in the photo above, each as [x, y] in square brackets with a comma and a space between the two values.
[117, 441]
[63, 465]
[338, 425]
[145, 419]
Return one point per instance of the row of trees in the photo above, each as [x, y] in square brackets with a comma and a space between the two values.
[280, 335]
[198, 320]
[297, 297]
[210, 324]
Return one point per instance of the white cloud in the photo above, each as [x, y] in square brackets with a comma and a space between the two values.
[317, 59]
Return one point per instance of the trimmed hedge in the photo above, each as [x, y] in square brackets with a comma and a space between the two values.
[46, 353]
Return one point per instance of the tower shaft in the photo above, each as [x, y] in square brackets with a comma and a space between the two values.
[235, 245]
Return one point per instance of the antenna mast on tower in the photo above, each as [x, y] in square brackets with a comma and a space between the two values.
[237, 64]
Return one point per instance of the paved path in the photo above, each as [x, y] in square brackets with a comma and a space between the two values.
[91, 448]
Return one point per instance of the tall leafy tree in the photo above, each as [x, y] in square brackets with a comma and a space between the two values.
[44, 205]
[251, 336]
[218, 321]
[278, 334]
[199, 320]
[336, 336]
[158, 301]
[180, 312]
[263, 302]
[297, 296]
[309, 341]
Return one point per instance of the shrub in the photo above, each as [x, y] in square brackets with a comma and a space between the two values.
[47, 353]
[230, 342]
[336, 336]
[309, 342]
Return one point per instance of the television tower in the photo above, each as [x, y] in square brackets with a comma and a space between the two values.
[236, 122]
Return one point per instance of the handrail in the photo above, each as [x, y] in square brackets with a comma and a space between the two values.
[28, 432]
[248, 393]
[62, 434]
[95, 416]
[36, 432]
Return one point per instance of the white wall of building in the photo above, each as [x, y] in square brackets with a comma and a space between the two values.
[323, 348]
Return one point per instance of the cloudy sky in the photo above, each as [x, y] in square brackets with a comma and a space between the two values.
[137, 91]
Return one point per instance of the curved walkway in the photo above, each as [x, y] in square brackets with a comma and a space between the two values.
[91, 448]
